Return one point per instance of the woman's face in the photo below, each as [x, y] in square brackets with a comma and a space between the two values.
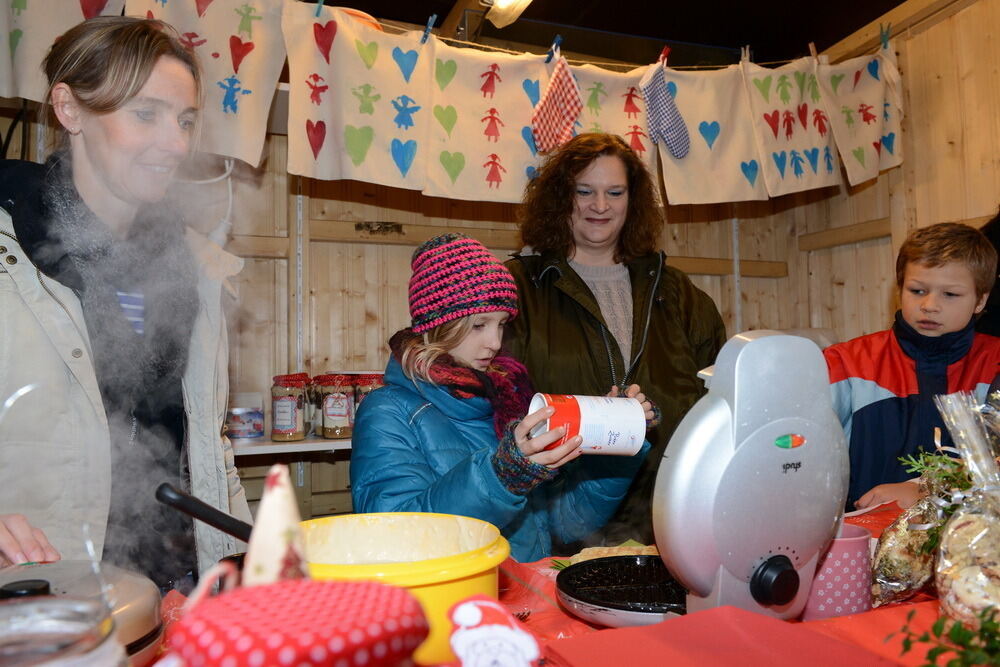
[600, 206]
[127, 158]
[482, 342]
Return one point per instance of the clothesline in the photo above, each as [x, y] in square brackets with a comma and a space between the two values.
[572, 61]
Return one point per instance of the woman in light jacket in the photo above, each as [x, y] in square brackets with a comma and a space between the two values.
[113, 356]
[448, 432]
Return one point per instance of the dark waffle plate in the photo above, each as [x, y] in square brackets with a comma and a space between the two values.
[621, 591]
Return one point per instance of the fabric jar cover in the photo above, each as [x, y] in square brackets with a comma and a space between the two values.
[862, 100]
[302, 622]
[714, 104]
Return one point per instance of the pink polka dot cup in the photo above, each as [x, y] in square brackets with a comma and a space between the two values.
[842, 583]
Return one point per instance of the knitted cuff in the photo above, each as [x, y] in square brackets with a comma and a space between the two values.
[657, 415]
[516, 472]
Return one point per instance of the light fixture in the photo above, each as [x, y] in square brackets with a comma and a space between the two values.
[502, 13]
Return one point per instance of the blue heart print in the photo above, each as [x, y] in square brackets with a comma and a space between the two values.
[529, 138]
[531, 89]
[888, 140]
[530, 172]
[672, 89]
[780, 159]
[812, 155]
[403, 154]
[710, 131]
[406, 60]
[873, 69]
[750, 170]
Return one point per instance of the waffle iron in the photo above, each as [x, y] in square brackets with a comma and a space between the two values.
[753, 483]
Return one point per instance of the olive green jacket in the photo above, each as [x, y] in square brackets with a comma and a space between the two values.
[563, 339]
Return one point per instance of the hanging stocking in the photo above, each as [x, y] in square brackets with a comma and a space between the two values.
[665, 122]
[556, 113]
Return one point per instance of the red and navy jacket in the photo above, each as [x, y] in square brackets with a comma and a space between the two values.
[883, 389]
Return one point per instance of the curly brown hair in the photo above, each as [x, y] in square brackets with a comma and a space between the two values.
[549, 199]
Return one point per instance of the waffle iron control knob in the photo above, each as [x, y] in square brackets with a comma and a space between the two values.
[775, 582]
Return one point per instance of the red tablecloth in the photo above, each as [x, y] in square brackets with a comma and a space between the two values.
[698, 639]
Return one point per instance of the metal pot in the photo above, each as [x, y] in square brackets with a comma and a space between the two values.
[134, 599]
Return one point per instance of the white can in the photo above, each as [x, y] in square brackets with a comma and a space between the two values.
[608, 425]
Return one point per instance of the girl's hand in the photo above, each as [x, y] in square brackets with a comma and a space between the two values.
[534, 448]
[904, 493]
[633, 391]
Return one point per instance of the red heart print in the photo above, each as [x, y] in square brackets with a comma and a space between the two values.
[878, 147]
[92, 8]
[317, 135]
[857, 75]
[772, 120]
[804, 115]
[149, 15]
[324, 35]
[238, 48]
[202, 5]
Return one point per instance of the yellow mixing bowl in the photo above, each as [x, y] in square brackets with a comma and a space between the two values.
[440, 558]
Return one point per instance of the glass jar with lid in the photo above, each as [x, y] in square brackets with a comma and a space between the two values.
[288, 407]
[366, 384]
[337, 393]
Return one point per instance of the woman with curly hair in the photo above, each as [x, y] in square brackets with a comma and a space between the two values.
[600, 309]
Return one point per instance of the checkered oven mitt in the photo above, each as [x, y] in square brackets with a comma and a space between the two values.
[664, 120]
[556, 112]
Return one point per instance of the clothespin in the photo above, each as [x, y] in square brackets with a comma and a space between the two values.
[427, 30]
[812, 49]
[319, 7]
[883, 34]
[745, 53]
[552, 49]
[664, 54]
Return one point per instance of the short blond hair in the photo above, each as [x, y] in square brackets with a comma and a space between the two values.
[946, 242]
[420, 352]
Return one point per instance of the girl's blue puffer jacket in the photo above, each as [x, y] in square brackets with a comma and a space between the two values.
[417, 448]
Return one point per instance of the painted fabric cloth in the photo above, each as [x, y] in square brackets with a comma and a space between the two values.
[241, 51]
[665, 122]
[862, 99]
[480, 144]
[27, 30]
[722, 164]
[791, 126]
[557, 111]
[360, 100]
[611, 103]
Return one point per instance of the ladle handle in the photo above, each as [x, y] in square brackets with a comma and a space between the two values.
[169, 494]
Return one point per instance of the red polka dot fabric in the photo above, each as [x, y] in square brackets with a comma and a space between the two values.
[302, 622]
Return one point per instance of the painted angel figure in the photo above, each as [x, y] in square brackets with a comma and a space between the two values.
[248, 14]
[866, 113]
[594, 99]
[493, 177]
[491, 76]
[191, 40]
[848, 115]
[232, 87]
[821, 122]
[797, 161]
[366, 99]
[316, 89]
[493, 125]
[404, 111]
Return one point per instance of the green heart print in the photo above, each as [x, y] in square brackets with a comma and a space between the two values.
[447, 116]
[368, 52]
[358, 140]
[444, 72]
[453, 163]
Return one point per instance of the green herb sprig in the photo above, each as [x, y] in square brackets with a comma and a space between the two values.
[950, 638]
[943, 476]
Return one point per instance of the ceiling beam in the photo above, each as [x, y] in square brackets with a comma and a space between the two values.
[454, 17]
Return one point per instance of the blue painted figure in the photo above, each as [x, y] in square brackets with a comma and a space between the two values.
[232, 87]
[404, 115]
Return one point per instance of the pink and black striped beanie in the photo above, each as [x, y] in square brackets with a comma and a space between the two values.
[454, 276]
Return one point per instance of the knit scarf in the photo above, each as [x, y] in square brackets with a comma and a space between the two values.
[505, 384]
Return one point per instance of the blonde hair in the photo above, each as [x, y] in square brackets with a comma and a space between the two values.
[946, 242]
[421, 351]
[107, 60]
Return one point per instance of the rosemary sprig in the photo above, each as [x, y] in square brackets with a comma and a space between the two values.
[965, 647]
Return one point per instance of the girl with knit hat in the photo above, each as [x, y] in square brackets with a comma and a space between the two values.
[450, 431]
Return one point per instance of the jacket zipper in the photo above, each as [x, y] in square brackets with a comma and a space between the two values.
[649, 314]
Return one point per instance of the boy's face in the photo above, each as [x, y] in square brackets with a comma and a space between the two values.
[940, 299]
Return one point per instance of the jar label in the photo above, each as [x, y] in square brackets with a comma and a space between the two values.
[337, 410]
[287, 417]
